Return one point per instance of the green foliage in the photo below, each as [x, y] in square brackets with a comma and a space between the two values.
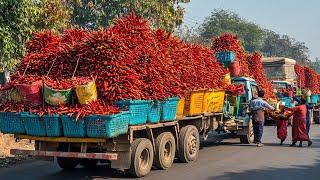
[189, 34]
[253, 37]
[20, 18]
[285, 46]
[54, 15]
[16, 26]
[94, 14]
[226, 21]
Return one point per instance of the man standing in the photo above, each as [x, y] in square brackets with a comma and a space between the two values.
[257, 106]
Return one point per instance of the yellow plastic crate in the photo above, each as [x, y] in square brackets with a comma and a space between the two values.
[180, 108]
[207, 100]
[194, 103]
[213, 101]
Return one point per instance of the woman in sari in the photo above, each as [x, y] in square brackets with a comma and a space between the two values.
[299, 127]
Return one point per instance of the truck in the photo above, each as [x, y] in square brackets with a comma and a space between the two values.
[150, 145]
[280, 71]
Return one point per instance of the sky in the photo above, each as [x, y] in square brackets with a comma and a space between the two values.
[299, 19]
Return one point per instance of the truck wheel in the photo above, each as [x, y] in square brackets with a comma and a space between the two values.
[189, 144]
[249, 137]
[67, 163]
[141, 157]
[90, 163]
[165, 150]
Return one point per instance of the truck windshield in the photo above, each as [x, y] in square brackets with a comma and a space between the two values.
[243, 97]
[238, 82]
[278, 85]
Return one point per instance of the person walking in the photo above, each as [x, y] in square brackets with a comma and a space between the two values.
[299, 127]
[257, 107]
[281, 118]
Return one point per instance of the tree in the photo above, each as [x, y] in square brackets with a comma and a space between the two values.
[95, 14]
[16, 26]
[188, 34]
[315, 65]
[285, 46]
[222, 21]
[54, 15]
[253, 37]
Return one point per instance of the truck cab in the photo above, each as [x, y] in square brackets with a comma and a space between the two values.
[250, 86]
[240, 123]
[278, 85]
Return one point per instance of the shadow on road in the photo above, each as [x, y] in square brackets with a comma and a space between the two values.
[100, 171]
[311, 172]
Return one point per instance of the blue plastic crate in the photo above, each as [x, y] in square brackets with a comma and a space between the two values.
[34, 124]
[225, 57]
[53, 125]
[72, 127]
[286, 100]
[154, 112]
[169, 109]
[107, 126]
[138, 110]
[314, 98]
[11, 123]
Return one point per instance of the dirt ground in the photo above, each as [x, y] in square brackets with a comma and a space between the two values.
[7, 142]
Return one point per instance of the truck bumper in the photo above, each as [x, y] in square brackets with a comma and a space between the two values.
[104, 156]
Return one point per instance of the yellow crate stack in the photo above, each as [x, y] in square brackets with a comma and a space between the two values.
[199, 102]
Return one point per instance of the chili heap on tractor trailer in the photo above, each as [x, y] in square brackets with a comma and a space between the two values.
[151, 144]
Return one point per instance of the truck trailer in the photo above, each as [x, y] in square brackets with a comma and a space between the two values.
[148, 145]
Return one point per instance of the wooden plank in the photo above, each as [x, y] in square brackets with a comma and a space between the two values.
[153, 126]
[108, 155]
[191, 118]
[62, 139]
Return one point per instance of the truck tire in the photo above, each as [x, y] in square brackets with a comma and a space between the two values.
[165, 146]
[189, 144]
[249, 137]
[67, 163]
[90, 163]
[141, 157]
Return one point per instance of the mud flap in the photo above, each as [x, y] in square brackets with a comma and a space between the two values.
[123, 162]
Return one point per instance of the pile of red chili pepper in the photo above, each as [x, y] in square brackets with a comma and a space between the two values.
[64, 84]
[311, 79]
[317, 91]
[257, 72]
[58, 84]
[18, 79]
[300, 73]
[97, 107]
[129, 60]
[229, 42]
[307, 78]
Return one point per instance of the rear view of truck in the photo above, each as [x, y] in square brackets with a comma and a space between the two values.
[279, 69]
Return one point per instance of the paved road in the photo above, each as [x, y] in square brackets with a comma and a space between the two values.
[217, 161]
